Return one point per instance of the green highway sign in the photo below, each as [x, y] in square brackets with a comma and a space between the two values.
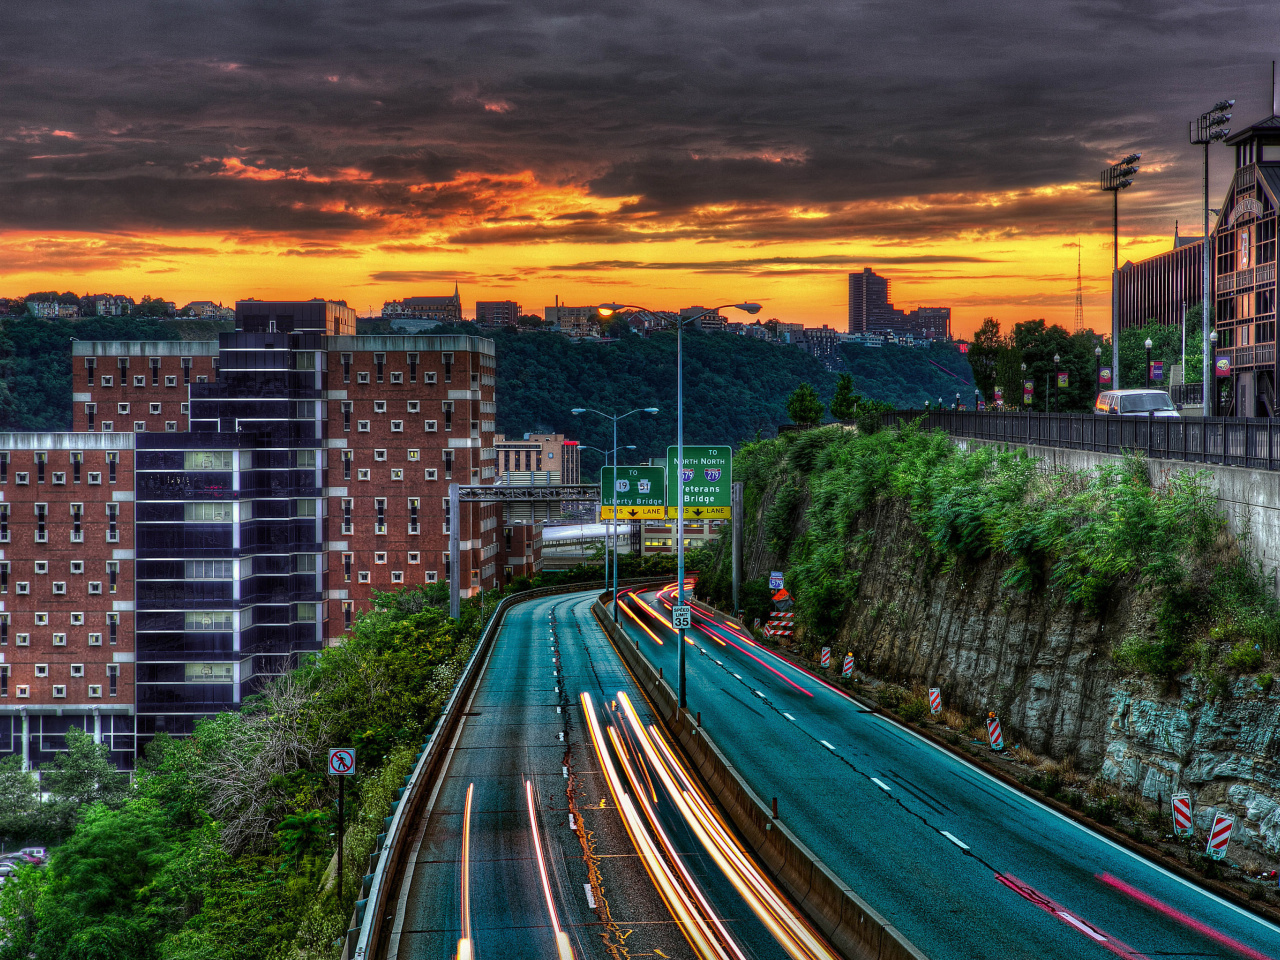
[708, 481]
[632, 493]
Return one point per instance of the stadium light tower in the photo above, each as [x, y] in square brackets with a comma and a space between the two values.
[1115, 178]
[1205, 129]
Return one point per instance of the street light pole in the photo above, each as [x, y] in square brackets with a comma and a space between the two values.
[1207, 128]
[1115, 178]
[1148, 346]
[613, 520]
[1097, 368]
[1213, 380]
[1056, 380]
[606, 309]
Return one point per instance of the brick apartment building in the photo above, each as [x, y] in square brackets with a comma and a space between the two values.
[221, 508]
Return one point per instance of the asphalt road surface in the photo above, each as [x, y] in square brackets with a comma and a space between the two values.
[606, 904]
[964, 866]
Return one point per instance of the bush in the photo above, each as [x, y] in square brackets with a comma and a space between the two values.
[891, 697]
[914, 710]
[1245, 657]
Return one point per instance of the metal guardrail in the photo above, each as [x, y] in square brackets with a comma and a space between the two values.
[1231, 441]
[366, 934]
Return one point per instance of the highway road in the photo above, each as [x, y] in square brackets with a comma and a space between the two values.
[532, 847]
[964, 866]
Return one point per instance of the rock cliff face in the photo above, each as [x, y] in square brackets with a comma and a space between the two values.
[1045, 666]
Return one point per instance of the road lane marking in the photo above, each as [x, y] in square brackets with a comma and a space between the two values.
[758, 694]
[880, 783]
[790, 717]
[1083, 927]
[738, 675]
[827, 745]
[591, 897]
[956, 840]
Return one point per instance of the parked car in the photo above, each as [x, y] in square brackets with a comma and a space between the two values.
[1136, 403]
[40, 853]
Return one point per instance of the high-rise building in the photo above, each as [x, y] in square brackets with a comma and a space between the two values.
[277, 478]
[868, 300]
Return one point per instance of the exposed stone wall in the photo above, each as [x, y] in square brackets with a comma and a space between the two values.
[1045, 666]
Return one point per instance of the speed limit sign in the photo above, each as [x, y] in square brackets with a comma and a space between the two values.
[682, 617]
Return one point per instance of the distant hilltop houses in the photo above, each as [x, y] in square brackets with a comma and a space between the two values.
[69, 306]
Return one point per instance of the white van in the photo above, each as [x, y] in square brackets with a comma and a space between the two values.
[1135, 403]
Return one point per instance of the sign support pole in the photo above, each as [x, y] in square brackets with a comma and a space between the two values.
[736, 507]
[680, 498]
[342, 790]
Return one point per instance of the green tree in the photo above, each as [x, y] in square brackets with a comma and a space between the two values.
[1166, 345]
[844, 402]
[19, 896]
[804, 407]
[19, 802]
[984, 351]
[1038, 344]
[1009, 376]
[82, 776]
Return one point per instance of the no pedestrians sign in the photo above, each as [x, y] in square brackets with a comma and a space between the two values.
[342, 762]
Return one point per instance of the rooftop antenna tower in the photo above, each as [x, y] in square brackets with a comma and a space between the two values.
[1079, 293]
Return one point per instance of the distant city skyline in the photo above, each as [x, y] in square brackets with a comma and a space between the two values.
[662, 153]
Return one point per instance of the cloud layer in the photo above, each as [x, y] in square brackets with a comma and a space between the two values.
[544, 121]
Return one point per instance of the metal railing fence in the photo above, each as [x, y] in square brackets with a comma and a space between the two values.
[1232, 441]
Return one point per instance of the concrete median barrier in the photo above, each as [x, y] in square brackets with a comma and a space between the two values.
[848, 922]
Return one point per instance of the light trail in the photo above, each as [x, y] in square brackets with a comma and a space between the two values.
[628, 612]
[1063, 915]
[464, 942]
[766, 902]
[564, 951]
[1189, 922]
[680, 904]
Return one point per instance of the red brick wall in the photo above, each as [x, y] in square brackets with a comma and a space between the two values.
[414, 467]
[139, 398]
[62, 610]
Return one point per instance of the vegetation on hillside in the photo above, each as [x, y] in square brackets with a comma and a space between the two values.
[1081, 537]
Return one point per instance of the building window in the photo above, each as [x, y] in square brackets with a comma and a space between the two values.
[60, 587]
[446, 407]
[380, 504]
[59, 691]
[363, 576]
[218, 511]
[42, 523]
[171, 426]
[4, 629]
[397, 473]
[59, 478]
[155, 408]
[397, 576]
[348, 608]
[414, 504]
[113, 626]
[362, 473]
[95, 586]
[95, 477]
[91, 411]
[412, 359]
[348, 504]
[113, 522]
[113, 677]
[415, 556]
[77, 461]
[447, 360]
[24, 588]
[122, 408]
[77, 669]
[346, 368]
[4, 523]
[306, 613]
[95, 690]
[397, 426]
[380, 455]
[415, 406]
[379, 406]
[23, 639]
[429, 426]
[184, 408]
[4, 466]
[186, 371]
[380, 558]
[4, 576]
[170, 381]
[42, 566]
[362, 376]
[59, 639]
[347, 457]
[429, 379]
[77, 523]
[414, 455]
[139, 426]
[108, 426]
[77, 566]
[42, 669]
[448, 464]
[397, 377]
[113, 574]
[139, 380]
[113, 461]
[379, 361]
[77, 619]
[347, 560]
[42, 619]
[431, 576]
[362, 426]
[347, 408]
[430, 473]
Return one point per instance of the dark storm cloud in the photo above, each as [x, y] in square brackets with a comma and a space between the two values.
[716, 118]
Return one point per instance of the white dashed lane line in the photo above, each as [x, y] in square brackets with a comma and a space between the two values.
[827, 745]
[959, 843]
[882, 785]
[790, 717]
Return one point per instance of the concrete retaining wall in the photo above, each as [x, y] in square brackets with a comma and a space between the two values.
[847, 921]
[1250, 498]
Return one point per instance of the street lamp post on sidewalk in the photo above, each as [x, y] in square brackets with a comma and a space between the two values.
[576, 411]
[608, 309]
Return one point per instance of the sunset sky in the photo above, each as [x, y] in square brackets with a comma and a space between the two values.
[652, 151]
